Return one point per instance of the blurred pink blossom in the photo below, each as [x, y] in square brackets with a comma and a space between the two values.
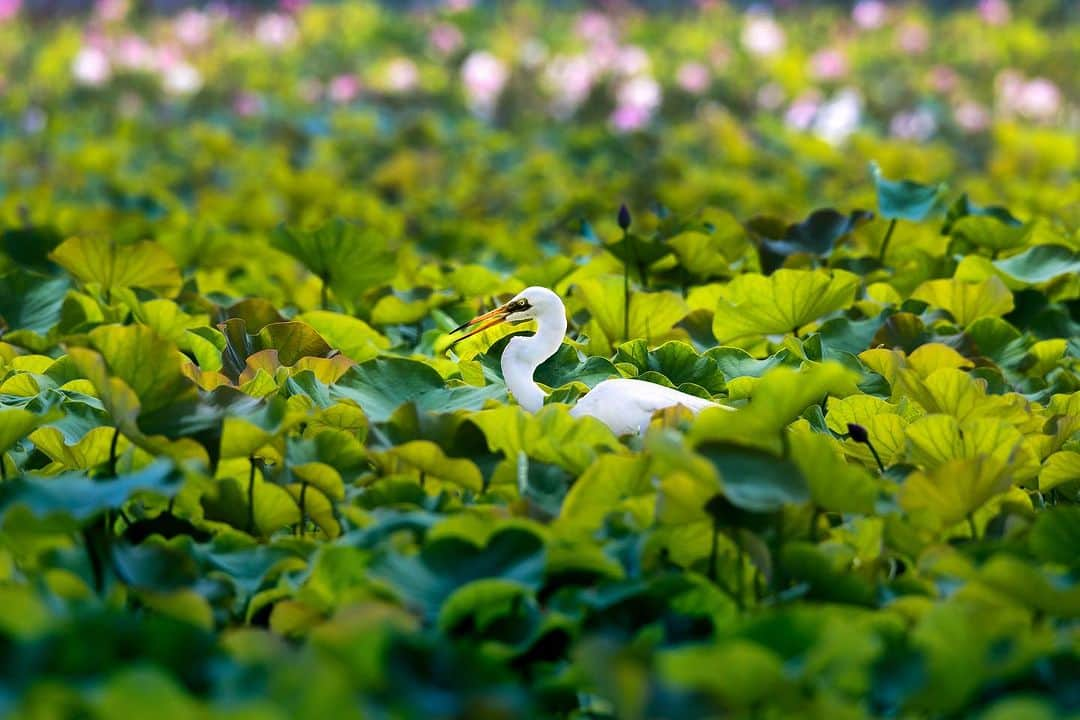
[639, 92]
[569, 79]
[632, 60]
[445, 38]
[693, 77]
[869, 14]
[762, 35]
[402, 75]
[918, 124]
[770, 96]
[800, 114]
[91, 66]
[943, 78]
[133, 53]
[484, 76]
[592, 25]
[1039, 99]
[457, 6]
[181, 78]
[913, 38]
[994, 12]
[275, 29]
[9, 9]
[248, 104]
[192, 27]
[828, 64]
[343, 88]
[111, 10]
[627, 118]
[971, 117]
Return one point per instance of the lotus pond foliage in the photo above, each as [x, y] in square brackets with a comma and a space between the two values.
[246, 472]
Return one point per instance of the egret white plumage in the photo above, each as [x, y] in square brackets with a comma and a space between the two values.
[623, 404]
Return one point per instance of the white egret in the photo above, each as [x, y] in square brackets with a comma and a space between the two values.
[623, 404]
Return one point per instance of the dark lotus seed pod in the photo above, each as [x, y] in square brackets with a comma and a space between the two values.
[858, 433]
[624, 216]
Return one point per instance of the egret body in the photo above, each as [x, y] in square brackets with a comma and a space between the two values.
[623, 404]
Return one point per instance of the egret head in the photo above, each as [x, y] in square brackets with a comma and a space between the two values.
[529, 304]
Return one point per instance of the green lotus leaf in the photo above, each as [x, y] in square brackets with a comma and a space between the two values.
[996, 339]
[15, 424]
[753, 675]
[428, 579]
[382, 385]
[110, 265]
[29, 247]
[481, 604]
[352, 336]
[550, 436]
[704, 255]
[818, 233]
[936, 439]
[956, 488]
[1060, 468]
[348, 258]
[676, 361]
[636, 251]
[292, 341]
[755, 480]
[612, 484]
[1055, 535]
[988, 232]
[30, 302]
[81, 498]
[753, 305]
[883, 422]
[429, 459]
[906, 199]
[779, 398]
[967, 302]
[1046, 591]
[146, 362]
[834, 484]
[1039, 264]
[91, 450]
[652, 315]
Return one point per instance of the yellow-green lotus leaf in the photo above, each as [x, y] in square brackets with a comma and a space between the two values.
[103, 262]
[352, 336]
[936, 439]
[883, 422]
[652, 314]
[1060, 468]
[955, 489]
[614, 483]
[15, 424]
[753, 304]
[91, 450]
[933, 356]
[428, 458]
[967, 302]
[835, 485]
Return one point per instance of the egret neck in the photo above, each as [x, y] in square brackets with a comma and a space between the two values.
[524, 354]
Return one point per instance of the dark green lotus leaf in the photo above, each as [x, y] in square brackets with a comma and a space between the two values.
[638, 252]
[29, 247]
[256, 313]
[382, 385]
[1055, 536]
[963, 207]
[428, 579]
[349, 258]
[818, 233]
[754, 480]
[564, 367]
[736, 362]
[902, 330]
[906, 199]
[676, 361]
[29, 301]
[843, 336]
[827, 582]
[1041, 263]
[996, 339]
[988, 232]
[293, 340]
[81, 497]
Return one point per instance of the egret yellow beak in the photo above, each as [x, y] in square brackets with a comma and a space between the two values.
[480, 323]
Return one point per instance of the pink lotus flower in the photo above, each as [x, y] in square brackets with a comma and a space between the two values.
[484, 76]
[913, 38]
[916, 124]
[971, 117]
[9, 9]
[248, 104]
[828, 64]
[181, 78]
[111, 10]
[762, 35]
[869, 14]
[800, 114]
[275, 30]
[632, 60]
[640, 92]
[402, 75]
[134, 53]
[192, 27]
[91, 67]
[1039, 99]
[839, 118]
[770, 96]
[627, 118]
[593, 26]
[445, 38]
[569, 79]
[343, 88]
[943, 78]
[693, 77]
[994, 12]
